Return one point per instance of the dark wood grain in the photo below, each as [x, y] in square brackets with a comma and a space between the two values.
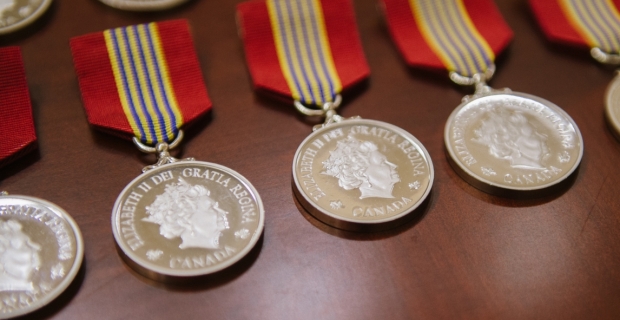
[468, 255]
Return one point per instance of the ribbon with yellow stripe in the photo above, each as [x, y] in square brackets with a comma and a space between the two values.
[143, 83]
[303, 50]
[597, 21]
[449, 31]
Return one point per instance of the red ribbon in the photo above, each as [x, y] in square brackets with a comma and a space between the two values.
[556, 25]
[417, 52]
[17, 130]
[262, 57]
[99, 89]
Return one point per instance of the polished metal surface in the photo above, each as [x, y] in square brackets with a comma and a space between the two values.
[186, 219]
[612, 105]
[358, 173]
[510, 141]
[41, 251]
[143, 5]
[162, 151]
[16, 14]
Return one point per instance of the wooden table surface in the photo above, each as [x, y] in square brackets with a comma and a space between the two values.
[468, 255]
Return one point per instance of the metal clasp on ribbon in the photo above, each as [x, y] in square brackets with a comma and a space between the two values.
[328, 110]
[162, 150]
[479, 80]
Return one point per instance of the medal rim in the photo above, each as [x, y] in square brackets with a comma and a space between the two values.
[148, 269]
[77, 264]
[492, 187]
[130, 5]
[26, 22]
[348, 223]
[613, 120]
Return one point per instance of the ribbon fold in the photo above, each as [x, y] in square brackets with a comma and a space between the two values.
[141, 80]
[308, 50]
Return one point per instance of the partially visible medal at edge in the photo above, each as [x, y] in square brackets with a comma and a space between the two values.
[41, 253]
[350, 173]
[499, 141]
[590, 24]
[41, 247]
[180, 218]
[143, 5]
[17, 14]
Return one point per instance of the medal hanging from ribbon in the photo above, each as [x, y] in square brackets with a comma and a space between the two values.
[308, 50]
[497, 140]
[142, 81]
[17, 129]
[145, 81]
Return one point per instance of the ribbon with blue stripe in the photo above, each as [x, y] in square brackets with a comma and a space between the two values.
[597, 21]
[143, 82]
[303, 49]
[448, 29]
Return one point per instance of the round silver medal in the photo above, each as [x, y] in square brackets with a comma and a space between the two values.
[41, 251]
[612, 106]
[143, 5]
[361, 173]
[187, 218]
[512, 142]
[16, 14]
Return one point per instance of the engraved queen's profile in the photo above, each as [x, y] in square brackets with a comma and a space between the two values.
[19, 257]
[188, 211]
[359, 164]
[510, 136]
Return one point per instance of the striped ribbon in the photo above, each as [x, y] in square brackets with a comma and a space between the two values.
[143, 82]
[597, 21]
[303, 50]
[448, 29]
[462, 36]
[17, 128]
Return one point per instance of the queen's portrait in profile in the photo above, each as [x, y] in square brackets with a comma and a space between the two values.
[188, 211]
[509, 136]
[359, 165]
[19, 258]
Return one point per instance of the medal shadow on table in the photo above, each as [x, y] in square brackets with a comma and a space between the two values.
[366, 232]
[504, 197]
[27, 31]
[61, 301]
[19, 161]
[196, 283]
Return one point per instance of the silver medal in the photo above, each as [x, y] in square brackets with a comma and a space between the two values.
[612, 105]
[17, 14]
[184, 218]
[143, 5]
[41, 251]
[358, 174]
[508, 143]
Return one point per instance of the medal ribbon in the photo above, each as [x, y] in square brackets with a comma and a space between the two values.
[593, 23]
[143, 80]
[17, 129]
[306, 49]
[463, 36]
